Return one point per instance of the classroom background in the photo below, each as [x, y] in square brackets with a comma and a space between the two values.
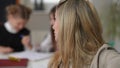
[109, 12]
[39, 23]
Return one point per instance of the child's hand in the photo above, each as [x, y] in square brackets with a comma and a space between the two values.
[26, 42]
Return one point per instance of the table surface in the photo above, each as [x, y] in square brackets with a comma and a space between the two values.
[33, 64]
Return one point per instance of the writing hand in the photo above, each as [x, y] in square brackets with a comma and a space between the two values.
[26, 42]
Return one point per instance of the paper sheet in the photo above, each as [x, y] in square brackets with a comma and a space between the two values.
[30, 55]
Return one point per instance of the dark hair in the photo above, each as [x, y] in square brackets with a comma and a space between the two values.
[52, 11]
[19, 10]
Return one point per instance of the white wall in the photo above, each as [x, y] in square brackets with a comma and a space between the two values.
[39, 26]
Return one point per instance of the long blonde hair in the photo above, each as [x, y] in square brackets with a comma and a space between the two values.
[80, 34]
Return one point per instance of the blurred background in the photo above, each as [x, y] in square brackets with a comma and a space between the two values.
[39, 24]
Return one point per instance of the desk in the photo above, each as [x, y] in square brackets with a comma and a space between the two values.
[32, 64]
[39, 64]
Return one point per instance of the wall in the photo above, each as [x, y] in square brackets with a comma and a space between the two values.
[103, 7]
[39, 26]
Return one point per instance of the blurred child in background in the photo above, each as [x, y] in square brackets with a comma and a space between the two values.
[49, 43]
[14, 37]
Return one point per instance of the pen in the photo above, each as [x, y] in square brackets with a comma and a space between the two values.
[14, 59]
[21, 36]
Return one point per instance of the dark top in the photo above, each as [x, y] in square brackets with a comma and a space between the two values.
[8, 39]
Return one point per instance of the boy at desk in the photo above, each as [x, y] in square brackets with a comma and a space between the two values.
[14, 37]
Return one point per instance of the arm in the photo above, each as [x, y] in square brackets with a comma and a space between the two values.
[26, 42]
[5, 50]
[46, 44]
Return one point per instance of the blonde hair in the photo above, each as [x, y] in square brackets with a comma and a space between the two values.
[80, 34]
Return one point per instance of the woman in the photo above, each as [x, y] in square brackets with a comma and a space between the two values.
[78, 33]
[14, 37]
[49, 43]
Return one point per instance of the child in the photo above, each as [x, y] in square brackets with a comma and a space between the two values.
[49, 43]
[14, 37]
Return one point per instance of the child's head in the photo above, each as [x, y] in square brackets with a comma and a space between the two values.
[18, 16]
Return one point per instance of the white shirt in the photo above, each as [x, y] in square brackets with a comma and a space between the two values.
[46, 44]
[9, 28]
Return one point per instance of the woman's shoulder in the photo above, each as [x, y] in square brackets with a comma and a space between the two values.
[108, 50]
[108, 57]
[111, 57]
